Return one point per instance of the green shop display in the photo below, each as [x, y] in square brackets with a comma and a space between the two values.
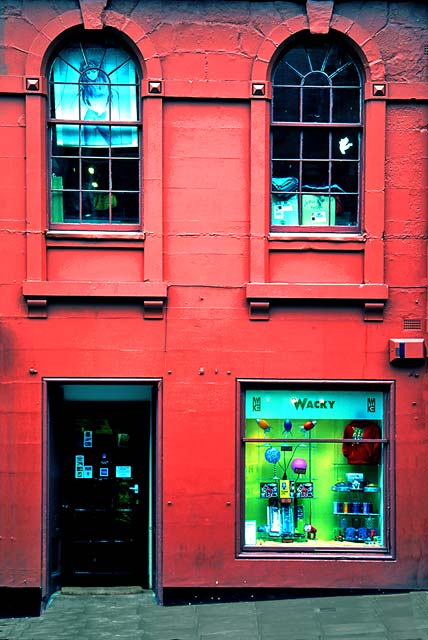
[314, 469]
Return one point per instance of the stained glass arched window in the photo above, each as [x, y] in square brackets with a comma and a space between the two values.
[316, 132]
[94, 127]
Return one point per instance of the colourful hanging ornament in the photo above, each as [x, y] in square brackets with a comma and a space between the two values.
[299, 465]
[263, 424]
[272, 455]
[309, 425]
[288, 425]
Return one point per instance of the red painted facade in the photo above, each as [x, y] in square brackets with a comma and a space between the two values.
[203, 297]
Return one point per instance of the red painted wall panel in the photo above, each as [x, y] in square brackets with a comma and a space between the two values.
[334, 267]
[101, 265]
[206, 186]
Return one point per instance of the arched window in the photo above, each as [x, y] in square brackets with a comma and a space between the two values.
[94, 129]
[316, 132]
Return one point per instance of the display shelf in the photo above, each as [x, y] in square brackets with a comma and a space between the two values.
[355, 515]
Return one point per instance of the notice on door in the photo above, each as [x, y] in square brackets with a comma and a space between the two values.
[123, 472]
[87, 471]
[87, 439]
[79, 463]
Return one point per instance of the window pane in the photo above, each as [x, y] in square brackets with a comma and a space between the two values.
[66, 103]
[95, 152]
[346, 105]
[66, 137]
[316, 143]
[127, 209]
[346, 75]
[345, 176]
[346, 210]
[96, 135]
[285, 74]
[285, 209]
[71, 206]
[96, 206]
[315, 174]
[286, 103]
[316, 104]
[320, 494]
[318, 210]
[125, 175]
[285, 199]
[298, 59]
[128, 138]
[285, 169]
[346, 144]
[285, 143]
[341, 68]
[318, 55]
[95, 174]
[65, 205]
[316, 79]
[66, 173]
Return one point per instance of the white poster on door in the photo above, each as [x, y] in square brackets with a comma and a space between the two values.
[79, 463]
[123, 472]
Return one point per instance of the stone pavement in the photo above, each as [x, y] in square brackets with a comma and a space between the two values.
[85, 616]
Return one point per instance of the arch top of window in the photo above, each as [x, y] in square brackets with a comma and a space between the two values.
[307, 62]
[321, 76]
[90, 76]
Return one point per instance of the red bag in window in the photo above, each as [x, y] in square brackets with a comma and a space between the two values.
[359, 451]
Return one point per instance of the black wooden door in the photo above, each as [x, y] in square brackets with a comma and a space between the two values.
[106, 493]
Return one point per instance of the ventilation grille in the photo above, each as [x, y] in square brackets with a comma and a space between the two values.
[426, 50]
[412, 323]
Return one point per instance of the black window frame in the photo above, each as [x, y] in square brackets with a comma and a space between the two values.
[118, 161]
[291, 196]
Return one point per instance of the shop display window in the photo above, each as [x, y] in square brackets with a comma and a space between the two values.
[315, 471]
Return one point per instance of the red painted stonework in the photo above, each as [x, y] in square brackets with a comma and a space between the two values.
[319, 15]
[178, 301]
[92, 13]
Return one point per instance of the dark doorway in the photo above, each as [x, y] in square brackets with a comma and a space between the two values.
[99, 488]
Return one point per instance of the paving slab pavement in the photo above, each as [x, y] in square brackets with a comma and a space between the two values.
[85, 615]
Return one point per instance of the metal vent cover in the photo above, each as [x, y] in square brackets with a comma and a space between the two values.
[412, 323]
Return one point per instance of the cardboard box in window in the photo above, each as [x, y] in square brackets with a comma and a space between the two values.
[318, 210]
[285, 211]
